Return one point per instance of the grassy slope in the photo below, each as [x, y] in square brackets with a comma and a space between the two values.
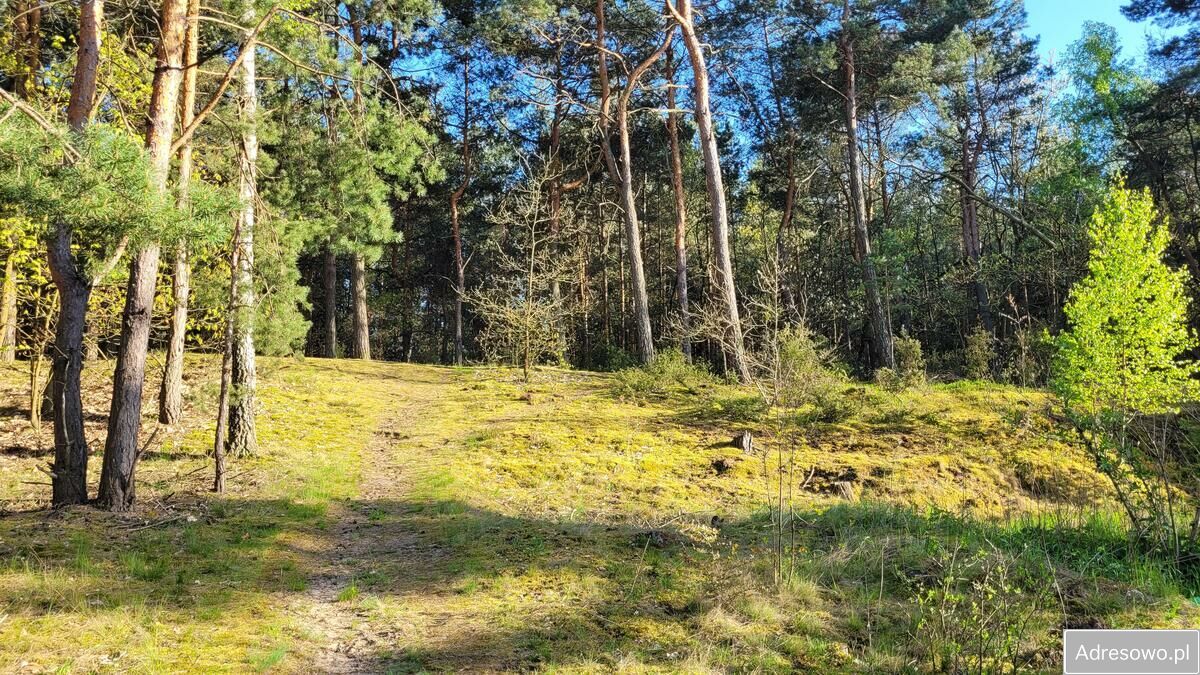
[559, 526]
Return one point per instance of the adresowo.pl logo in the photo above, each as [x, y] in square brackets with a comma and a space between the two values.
[1131, 652]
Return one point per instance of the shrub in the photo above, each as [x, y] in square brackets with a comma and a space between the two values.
[975, 611]
[741, 408]
[668, 370]
[979, 355]
[889, 380]
[671, 366]
[802, 372]
[633, 383]
[910, 365]
[1121, 369]
[1030, 358]
[611, 358]
[835, 407]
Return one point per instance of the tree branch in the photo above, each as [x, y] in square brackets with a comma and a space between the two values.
[186, 135]
[41, 121]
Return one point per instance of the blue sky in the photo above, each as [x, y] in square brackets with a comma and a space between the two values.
[1060, 22]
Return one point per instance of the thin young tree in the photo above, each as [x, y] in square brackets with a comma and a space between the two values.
[522, 320]
[455, 217]
[360, 318]
[8, 304]
[170, 396]
[680, 196]
[329, 281]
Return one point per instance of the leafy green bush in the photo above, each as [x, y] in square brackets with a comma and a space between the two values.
[669, 370]
[975, 611]
[910, 362]
[672, 366]
[979, 355]
[609, 358]
[803, 373]
[634, 383]
[889, 380]
[835, 407]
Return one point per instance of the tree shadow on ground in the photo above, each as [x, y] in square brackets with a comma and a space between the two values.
[439, 584]
[405, 554]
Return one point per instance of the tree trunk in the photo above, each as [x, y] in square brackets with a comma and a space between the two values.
[455, 226]
[622, 175]
[8, 312]
[722, 259]
[28, 29]
[972, 244]
[362, 327]
[557, 187]
[681, 261]
[329, 274]
[243, 439]
[69, 483]
[125, 413]
[222, 432]
[170, 396]
[880, 331]
[69, 479]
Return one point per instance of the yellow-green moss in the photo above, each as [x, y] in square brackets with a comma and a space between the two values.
[562, 524]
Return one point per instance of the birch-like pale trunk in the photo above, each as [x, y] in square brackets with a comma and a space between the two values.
[243, 439]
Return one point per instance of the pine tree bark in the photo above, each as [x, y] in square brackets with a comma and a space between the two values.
[555, 188]
[362, 326]
[622, 175]
[329, 277]
[715, 182]
[69, 472]
[27, 27]
[243, 438]
[124, 422]
[681, 260]
[972, 244]
[170, 395]
[460, 280]
[880, 330]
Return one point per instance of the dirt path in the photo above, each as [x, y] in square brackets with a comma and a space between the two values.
[362, 535]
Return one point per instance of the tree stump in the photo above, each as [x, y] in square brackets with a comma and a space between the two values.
[744, 442]
[846, 490]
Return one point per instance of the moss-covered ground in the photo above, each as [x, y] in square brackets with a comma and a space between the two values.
[405, 518]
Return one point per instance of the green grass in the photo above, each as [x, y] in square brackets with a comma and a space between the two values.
[85, 590]
[579, 524]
